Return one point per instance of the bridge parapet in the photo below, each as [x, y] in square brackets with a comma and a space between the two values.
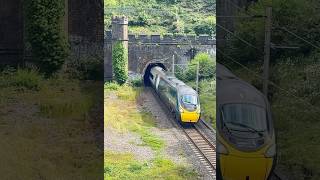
[166, 39]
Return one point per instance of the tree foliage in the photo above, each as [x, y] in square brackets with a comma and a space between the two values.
[290, 15]
[120, 62]
[164, 16]
[207, 66]
[44, 31]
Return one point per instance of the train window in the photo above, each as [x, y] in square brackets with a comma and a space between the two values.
[151, 76]
[161, 85]
[173, 92]
[245, 116]
[189, 99]
[189, 102]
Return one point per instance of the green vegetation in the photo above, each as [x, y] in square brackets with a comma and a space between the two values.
[207, 83]
[133, 119]
[290, 15]
[295, 117]
[48, 43]
[125, 166]
[129, 119]
[295, 100]
[46, 118]
[120, 62]
[164, 16]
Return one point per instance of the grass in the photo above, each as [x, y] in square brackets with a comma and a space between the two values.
[125, 166]
[208, 101]
[52, 142]
[123, 115]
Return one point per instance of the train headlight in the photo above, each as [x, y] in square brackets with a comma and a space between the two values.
[181, 109]
[221, 149]
[271, 152]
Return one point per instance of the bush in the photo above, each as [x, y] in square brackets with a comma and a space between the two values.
[120, 62]
[207, 66]
[90, 68]
[136, 82]
[49, 45]
[27, 78]
[288, 14]
[111, 86]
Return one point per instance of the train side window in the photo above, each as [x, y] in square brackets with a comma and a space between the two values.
[173, 93]
[161, 85]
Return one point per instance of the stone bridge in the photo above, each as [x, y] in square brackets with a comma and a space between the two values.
[144, 50]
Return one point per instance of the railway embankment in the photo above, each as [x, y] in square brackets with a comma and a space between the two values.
[140, 142]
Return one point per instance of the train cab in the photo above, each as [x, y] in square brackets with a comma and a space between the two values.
[189, 105]
[246, 148]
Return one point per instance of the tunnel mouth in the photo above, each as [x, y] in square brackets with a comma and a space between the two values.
[146, 80]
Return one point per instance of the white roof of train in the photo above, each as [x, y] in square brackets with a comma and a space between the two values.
[231, 89]
[180, 85]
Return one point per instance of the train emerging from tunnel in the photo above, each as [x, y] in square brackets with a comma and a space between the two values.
[181, 99]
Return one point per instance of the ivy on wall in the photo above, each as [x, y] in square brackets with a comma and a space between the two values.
[120, 62]
[44, 26]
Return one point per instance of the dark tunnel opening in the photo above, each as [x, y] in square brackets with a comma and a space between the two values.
[146, 74]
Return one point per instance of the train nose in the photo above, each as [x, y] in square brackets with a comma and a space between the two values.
[235, 167]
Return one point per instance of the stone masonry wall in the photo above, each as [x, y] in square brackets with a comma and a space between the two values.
[143, 49]
[11, 31]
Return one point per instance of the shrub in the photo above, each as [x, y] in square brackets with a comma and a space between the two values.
[90, 68]
[27, 78]
[288, 14]
[204, 29]
[111, 86]
[44, 31]
[207, 66]
[136, 82]
[120, 62]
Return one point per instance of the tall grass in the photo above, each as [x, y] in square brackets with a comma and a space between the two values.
[23, 78]
[55, 97]
[122, 113]
[125, 166]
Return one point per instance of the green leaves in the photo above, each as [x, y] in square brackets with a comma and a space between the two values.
[44, 32]
[207, 66]
[120, 62]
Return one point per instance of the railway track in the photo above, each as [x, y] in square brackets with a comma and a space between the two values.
[206, 151]
[201, 145]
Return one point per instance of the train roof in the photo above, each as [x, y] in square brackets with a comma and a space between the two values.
[224, 73]
[181, 87]
[231, 89]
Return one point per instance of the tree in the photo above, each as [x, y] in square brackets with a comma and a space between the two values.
[207, 66]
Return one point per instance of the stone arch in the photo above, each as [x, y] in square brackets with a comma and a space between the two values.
[147, 68]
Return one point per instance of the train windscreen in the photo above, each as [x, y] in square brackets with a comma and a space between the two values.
[189, 102]
[245, 117]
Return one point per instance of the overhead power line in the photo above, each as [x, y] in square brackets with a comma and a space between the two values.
[299, 37]
[270, 82]
[241, 39]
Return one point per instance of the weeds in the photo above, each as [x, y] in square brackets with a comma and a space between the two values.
[125, 166]
[21, 78]
[123, 115]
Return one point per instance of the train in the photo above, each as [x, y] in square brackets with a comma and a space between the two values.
[246, 146]
[181, 99]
